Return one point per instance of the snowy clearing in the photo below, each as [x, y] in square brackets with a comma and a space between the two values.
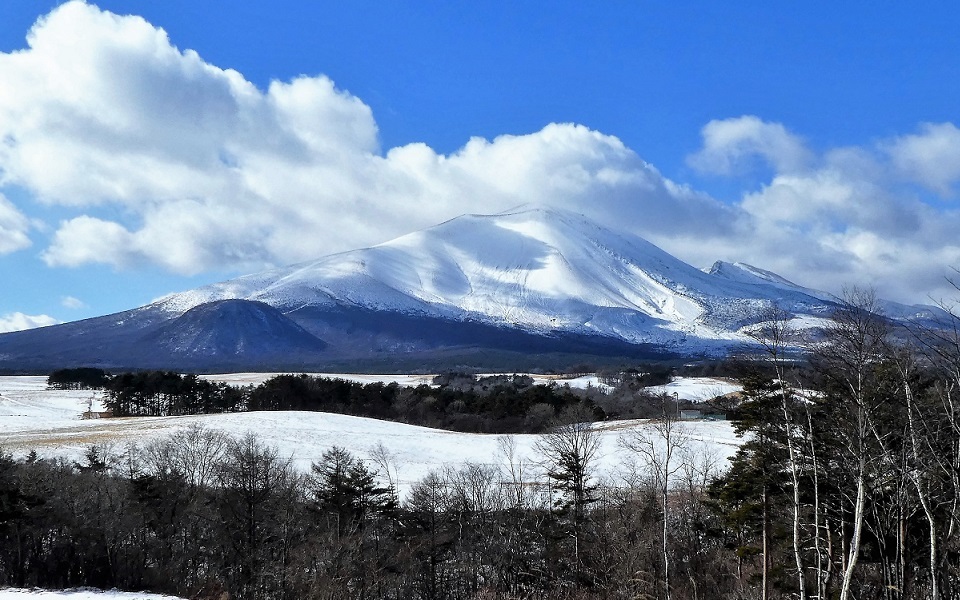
[81, 594]
[696, 389]
[33, 417]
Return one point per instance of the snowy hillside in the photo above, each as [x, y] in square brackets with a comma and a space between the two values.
[48, 421]
[748, 274]
[536, 268]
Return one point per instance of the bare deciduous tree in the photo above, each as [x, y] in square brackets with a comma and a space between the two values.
[853, 348]
[660, 447]
[776, 337]
[569, 452]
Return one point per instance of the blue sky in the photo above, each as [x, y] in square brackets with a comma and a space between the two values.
[813, 139]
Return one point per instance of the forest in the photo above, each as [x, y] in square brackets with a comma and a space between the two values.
[846, 485]
[457, 401]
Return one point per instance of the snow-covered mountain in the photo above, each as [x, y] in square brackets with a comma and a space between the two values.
[535, 269]
[534, 280]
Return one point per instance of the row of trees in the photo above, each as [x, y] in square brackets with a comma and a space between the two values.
[498, 404]
[456, 401]
[79, 378]
[165, 393]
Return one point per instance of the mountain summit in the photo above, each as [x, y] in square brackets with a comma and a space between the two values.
[537, 269]
[532, 280]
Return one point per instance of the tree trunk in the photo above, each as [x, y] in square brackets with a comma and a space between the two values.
[858, 511]
[765, 543]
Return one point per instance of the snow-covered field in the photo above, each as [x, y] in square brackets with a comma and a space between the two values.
[84, 594]
[696, 389]
[33, 417]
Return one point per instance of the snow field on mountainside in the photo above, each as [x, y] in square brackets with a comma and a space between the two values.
[48, 421]
[534, 268]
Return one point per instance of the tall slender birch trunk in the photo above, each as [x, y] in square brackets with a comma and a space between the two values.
[775, 337]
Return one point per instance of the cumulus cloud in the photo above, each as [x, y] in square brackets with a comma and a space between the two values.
[14, 227]
[104, 112]
[86, 239]
[154, 156]
[850, 215]
[733, 145]
[18, 321]
[931, 157]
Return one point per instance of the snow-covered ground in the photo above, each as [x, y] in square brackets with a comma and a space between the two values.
[696, 389]
[81, 594]
[536, 268]
[48, 421]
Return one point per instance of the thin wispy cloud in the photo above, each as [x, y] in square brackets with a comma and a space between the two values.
[72, 303]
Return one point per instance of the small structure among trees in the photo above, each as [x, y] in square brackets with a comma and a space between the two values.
[94, 414]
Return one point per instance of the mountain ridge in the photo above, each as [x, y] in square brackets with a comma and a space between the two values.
[537, 267]
[529, 280]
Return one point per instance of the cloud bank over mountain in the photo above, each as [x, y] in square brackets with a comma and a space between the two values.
[149, 155]
[848, 214]
[18, 321]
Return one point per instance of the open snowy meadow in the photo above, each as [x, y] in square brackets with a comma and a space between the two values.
[84, 594]
[48, 421]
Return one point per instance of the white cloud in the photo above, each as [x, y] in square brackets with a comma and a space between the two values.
[13, 227]
[847, 217]
[18, 321]
[732, 145]
[86, 240]
[208, 171]
[72, 303]
[157, 157]
[931, 157]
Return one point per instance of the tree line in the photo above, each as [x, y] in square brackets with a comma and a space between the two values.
[458, 402]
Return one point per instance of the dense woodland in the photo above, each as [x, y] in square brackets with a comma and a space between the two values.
[847, 486]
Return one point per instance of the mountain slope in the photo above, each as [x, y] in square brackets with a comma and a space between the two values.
[233, 329]
[531, 281]
[217, 335]
[537, 269]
